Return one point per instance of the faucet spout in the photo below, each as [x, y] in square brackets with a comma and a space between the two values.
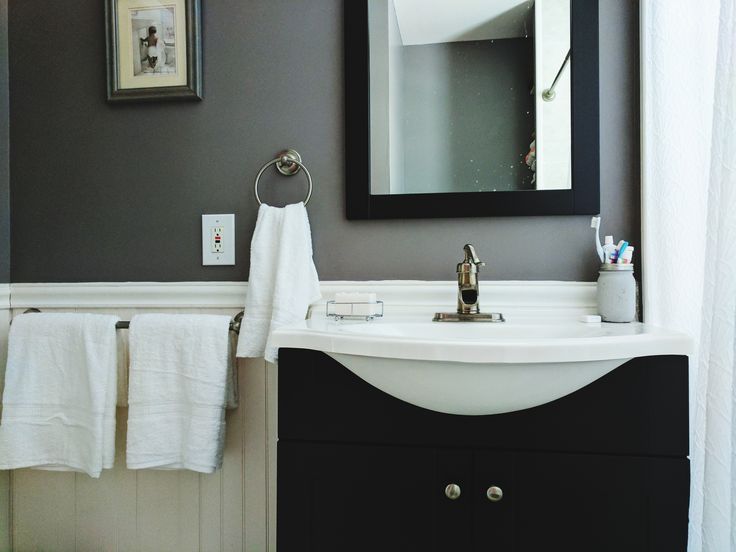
[467, 282]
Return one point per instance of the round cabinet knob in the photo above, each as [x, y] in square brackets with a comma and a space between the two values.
[494, 494]
[452, 491]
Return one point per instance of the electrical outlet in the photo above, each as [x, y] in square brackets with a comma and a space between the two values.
[216, 236]
[218, 240]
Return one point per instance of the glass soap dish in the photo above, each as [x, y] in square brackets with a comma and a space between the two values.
[354, 311]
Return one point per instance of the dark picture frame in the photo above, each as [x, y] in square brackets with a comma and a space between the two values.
[190, 90]
[582, 199]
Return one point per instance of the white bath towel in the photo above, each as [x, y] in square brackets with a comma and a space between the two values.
[60, 393]
[283, 281]
[180, 366]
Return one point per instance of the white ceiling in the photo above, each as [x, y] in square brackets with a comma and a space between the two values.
[435, 21]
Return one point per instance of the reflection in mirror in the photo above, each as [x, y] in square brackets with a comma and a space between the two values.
[462, 96]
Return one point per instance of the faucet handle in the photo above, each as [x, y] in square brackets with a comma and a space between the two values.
[471, 256]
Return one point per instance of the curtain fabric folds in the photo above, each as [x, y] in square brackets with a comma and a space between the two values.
[688, 62]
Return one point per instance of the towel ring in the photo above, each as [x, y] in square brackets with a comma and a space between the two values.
[287, 163]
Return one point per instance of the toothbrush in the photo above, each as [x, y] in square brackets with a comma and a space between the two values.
[595, 222]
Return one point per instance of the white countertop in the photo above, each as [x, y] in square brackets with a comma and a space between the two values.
[518, 340]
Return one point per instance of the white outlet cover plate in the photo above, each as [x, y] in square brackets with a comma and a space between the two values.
[227, 256]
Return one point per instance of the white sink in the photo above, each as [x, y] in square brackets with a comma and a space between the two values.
[481, 368]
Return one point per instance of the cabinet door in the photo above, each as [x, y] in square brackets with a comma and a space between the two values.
[493, 501]
[602, 503]
[371, 498]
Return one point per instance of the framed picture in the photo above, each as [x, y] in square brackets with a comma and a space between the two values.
[154, 50]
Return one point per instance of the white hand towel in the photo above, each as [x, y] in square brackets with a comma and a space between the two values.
[180, 366]
[232, 397]
[283, 281]
[60, 393]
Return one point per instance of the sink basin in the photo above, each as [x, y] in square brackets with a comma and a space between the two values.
[480, 369]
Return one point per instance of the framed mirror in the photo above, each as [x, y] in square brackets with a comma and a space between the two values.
[458, 108]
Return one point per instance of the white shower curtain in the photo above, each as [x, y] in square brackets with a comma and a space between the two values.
[689, 231]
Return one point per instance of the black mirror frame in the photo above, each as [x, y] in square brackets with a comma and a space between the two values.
[582, 199]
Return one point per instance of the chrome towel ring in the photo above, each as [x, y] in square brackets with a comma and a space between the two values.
[288, 163]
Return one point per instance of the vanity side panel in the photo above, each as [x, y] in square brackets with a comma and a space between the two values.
[640, 408]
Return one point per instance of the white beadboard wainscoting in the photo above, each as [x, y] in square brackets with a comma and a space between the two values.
[234, 508]
[4, 475]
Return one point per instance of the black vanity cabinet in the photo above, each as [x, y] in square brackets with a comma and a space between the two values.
[602, 469]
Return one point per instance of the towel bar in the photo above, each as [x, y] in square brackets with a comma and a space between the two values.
[125, 324]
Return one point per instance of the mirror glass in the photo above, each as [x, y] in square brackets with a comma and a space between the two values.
[469, 95]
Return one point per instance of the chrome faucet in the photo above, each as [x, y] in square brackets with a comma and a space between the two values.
[467, 282]
[468, 306]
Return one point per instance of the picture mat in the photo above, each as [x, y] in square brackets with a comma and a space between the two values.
[125, 46]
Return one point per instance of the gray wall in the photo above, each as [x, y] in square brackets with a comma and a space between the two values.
[114, 193]
[4, 148]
